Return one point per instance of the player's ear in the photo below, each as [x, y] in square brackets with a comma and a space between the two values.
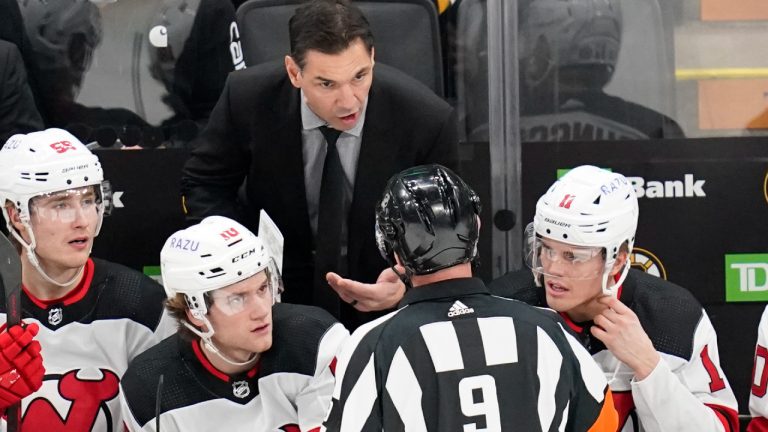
[621, 260]
[195, 319]
[15, 218]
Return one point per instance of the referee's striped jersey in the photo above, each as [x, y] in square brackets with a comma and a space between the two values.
[456, 358]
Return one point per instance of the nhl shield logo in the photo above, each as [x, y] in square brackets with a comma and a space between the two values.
[55, 316]
[241, 389]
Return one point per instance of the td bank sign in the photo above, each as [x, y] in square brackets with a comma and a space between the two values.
[746, 277]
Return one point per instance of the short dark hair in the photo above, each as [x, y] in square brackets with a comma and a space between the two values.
[328, 26]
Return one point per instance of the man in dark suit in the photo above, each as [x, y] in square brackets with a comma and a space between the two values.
[270, 129]
[18, 113]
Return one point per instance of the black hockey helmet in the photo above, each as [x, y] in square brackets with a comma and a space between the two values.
[429, 217]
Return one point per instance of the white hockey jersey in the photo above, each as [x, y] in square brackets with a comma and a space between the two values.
[88, 338]
[687, 391]
[289, 389]
[758, 402]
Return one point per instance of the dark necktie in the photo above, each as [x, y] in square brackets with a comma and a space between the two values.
[331, 216]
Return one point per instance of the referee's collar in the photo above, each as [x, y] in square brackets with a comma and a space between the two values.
[450, 288]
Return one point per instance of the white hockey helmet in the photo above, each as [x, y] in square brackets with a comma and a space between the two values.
[46, 162]
[590, 208]
[213, 254]
[561, 33]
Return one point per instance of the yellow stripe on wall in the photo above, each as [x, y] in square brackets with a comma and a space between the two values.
[720, 73]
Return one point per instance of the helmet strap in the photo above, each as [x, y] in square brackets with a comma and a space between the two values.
[32, 256]
[208, 344]
[205, 337]
[404, 277]
[614, 288]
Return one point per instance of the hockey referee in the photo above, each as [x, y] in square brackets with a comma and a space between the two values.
[452, 356]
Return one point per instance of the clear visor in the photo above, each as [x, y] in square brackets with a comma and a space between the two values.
[68, 205]
[557, 259]
[240, 297]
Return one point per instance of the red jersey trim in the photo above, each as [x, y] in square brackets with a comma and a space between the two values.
[758, 424]
[575, 327]
[727, 416]
[212, 369]
[72, 296]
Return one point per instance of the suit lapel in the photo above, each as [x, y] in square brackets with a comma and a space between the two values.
[376, 163]
[284, 150]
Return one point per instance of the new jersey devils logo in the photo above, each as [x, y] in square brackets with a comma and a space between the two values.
[87, 398]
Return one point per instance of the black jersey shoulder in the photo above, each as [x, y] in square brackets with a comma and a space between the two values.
[126, 293]
[296, 336]
[518, 285]
[114, 292]
[668, 312]
[141, 379]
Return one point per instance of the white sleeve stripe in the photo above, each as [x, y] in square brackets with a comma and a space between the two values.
[548, 366]
[360, 401]
[330, 345]
[443, 346]
[592, 376]
[499, 340]
[405, 392]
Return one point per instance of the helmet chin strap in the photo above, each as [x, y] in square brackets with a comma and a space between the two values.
[32, 256]
[208, 342]
[404, 277]
[613, 289]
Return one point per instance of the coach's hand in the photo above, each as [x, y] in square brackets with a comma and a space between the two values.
[21, 365]
[384, 294]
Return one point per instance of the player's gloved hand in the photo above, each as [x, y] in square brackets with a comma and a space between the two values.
[21, 365]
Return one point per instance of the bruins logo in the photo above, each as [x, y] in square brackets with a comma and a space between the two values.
[765, 187]
[646, 261]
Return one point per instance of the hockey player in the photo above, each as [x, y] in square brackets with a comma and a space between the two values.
[94, 316]
[758, 402]
[453, 356]
[241, 361]
[652, 339]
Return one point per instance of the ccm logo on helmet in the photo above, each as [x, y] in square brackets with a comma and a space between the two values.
[688, 187]
[244, 255]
